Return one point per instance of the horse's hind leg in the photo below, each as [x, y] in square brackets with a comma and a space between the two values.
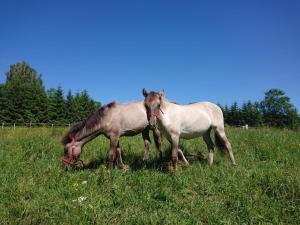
[210, 147]
[220, 133]
[175, 142]
[147, 143]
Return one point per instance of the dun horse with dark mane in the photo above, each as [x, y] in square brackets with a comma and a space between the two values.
[113, 121]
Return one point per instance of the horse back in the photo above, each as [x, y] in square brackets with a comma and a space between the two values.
[203, 114]
[129, 119]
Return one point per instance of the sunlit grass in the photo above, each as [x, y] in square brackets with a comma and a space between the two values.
[263, 189]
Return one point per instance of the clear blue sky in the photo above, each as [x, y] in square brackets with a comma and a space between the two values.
[219, 51]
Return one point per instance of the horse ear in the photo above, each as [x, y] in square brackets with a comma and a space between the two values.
[145, 93]
[162, 93]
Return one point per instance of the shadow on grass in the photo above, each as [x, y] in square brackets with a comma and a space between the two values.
[96, 163]
[136, 162]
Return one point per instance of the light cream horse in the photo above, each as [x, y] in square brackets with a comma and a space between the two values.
[188, 122]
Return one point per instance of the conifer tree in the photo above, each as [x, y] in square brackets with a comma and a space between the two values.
[25, 94]
[3, 105]
[57, 107]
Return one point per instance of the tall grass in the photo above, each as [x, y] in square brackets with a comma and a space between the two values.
[263, 189]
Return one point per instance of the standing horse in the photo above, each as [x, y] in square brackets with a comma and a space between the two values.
[188, 122]
[113, 121]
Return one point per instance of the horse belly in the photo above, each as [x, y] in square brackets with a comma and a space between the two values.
[191, 135]
[195, 129]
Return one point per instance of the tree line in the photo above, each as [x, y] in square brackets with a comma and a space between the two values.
[24, 99]
[275, 110]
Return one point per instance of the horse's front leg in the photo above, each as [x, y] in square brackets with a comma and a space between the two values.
[158, 139]
[112, 151]
[119, 157]
[147, 143]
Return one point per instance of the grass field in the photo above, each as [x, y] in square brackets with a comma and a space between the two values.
[263, 189]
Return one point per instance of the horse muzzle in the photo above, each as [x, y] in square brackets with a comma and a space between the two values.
[73, 162]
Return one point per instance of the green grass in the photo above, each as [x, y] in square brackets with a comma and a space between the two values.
[263, 189]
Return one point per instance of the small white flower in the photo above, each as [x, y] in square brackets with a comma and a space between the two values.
[81, 199]
[84, 182]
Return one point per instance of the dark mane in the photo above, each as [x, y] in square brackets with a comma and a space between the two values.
[87, 123]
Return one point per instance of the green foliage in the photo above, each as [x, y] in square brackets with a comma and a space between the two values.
[264, 188]
[57, 113]
[278, 110]
[23, 99]
[83, 106]
[3, 104]
[275, 110]
[25, 94]
[251, 114]
[80, 106]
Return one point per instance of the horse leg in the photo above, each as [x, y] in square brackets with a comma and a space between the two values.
[180, 153]
[221, 135]
[112, 152]
[119, 157]
[210, 147]
[175, 141]
[147, 143]
[158, 138]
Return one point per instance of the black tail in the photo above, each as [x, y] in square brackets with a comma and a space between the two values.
[220, 143]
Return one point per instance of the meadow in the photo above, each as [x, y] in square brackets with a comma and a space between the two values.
[264, 188]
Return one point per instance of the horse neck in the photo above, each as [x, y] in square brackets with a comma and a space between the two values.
[88, 134]
[165, 104]
[90, 137]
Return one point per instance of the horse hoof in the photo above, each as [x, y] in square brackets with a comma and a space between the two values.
[121, 166]
[124, 168]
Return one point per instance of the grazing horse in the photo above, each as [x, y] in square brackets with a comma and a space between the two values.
[188, 122]
[112, 120]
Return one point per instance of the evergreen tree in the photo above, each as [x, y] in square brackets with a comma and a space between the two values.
[70, 107]
[226, 114]
[234, 117]
[251, 114]
[25, 94]
[57, 113]
[83, 106]
[258, 113]
[4, 115]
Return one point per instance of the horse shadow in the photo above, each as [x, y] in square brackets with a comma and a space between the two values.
[95, 163]
[135, 161]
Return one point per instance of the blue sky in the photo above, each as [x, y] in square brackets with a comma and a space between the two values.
[219, 51]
